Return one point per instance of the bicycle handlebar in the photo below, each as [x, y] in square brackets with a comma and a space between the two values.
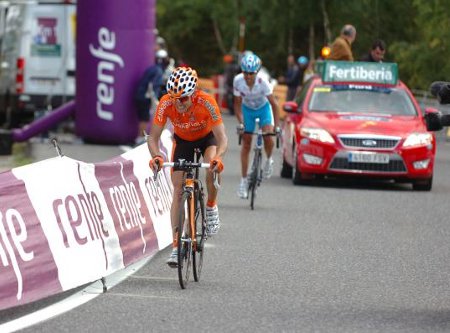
[186, 165]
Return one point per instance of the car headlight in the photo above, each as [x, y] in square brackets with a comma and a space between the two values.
[418, 139]
[317, 134]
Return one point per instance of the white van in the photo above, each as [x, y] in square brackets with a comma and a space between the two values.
[37, 58]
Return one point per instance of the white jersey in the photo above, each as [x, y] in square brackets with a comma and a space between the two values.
[257, 96]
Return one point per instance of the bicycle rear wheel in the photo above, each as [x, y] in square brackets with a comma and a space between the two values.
[251, 190]
[200, 231]
[184, 242]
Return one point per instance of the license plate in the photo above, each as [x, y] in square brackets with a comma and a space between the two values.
[368, 157]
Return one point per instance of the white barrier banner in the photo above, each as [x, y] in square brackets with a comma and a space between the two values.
[64, 223]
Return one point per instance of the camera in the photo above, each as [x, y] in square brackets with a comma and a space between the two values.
[441, 90]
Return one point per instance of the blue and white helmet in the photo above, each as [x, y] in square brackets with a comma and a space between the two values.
[250, 63]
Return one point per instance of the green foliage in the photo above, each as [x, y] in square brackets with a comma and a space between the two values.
[416, 32]
[425, 59]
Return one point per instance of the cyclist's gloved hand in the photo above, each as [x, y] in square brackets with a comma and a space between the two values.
[156, 163]
[240, 128]
[216, 164]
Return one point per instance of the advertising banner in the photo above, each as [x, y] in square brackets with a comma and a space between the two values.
[65, 223]
[360, 72]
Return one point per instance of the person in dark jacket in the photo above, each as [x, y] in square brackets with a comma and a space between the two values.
[292, 77]
[149, 89]
[231, 69]
[376, 53]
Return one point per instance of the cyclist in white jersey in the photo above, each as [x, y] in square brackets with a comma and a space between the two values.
[253, 98]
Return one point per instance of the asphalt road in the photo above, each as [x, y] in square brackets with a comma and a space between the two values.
[335, 257]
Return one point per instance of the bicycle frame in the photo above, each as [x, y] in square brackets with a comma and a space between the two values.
[256, 169]
[190, 183]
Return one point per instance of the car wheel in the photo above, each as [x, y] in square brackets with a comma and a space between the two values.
[297, 177]
[286, 170]
[423, 185]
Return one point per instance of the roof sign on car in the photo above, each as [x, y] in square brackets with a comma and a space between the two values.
[360, 72]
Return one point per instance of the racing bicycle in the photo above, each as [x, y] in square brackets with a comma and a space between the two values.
[191, 230]
[255, 176]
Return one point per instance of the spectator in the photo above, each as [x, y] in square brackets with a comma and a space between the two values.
[309, 71]
[376, 53]
[160, 44]
[341, 49]
[303, 64]
[231, 69]
[292, 77]
[149, 89]
[168, 65]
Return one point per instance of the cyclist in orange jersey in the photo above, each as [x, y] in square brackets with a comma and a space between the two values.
[197, 123]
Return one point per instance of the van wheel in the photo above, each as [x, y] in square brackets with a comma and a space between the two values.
[423, 185]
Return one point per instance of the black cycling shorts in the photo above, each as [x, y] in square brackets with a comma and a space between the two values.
[185, 149]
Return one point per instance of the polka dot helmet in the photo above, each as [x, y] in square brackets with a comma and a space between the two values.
[182, 82]
[250, 63]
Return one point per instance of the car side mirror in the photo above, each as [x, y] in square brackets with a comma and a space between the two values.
[433, 119]
[291, 107]
[445, 120]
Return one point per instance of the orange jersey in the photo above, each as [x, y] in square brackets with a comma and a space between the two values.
[196, 122]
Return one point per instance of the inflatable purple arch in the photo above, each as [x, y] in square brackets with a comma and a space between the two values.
[115, 44]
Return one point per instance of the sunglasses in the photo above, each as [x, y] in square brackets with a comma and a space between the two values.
[183, 99]
[249, 73]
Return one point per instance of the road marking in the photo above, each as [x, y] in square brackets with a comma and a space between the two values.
[155, 278]
[83, 296]
[141, 296]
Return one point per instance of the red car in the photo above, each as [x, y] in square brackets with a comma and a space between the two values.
[358, 119]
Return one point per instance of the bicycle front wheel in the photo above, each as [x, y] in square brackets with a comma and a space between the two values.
[184, 243]
[200, 231]
[253, 181]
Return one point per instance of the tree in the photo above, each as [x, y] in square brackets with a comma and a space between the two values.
[416, 32]
[425, 58]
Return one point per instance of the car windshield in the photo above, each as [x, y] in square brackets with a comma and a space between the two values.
[361, 99]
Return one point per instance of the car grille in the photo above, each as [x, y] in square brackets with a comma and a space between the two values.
[340, 163]
[344, 164]
[369, 142]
